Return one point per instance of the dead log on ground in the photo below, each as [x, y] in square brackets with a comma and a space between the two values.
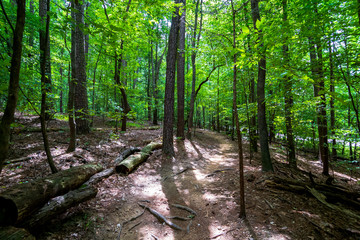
[100, 176]
[59, 205]
[133, 161]
[22, 159]
[124, 154]
[22, 200]
[333, 193]
[13, 233]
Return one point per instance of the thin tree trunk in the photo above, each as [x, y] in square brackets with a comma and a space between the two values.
[44, 89]
[332, 105]
[193, 63]
[264, 144]
[288, 98]
[13, 89]
[45, 39]
[181, 77]
[238, 132]
[168, 145]
[70, 106]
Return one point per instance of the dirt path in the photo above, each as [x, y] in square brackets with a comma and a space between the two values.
[203, 177]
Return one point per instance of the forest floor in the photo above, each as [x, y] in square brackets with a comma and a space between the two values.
[202, 176]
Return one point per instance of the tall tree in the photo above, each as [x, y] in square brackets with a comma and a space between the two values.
[45, 47]
[81, 99]
[264, 144]
[13, 89]
[181, 75]
[194, 44]
[45, 84]
[238, 131]
[288, 93]
[168, 145]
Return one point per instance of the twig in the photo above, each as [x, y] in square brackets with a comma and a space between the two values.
[224, 233]
[179, 218]
[184, 208]
[271, 206]
[188, 227]
[220, 170]
[131, 219]
[156, 238]
[161, 217]
[135, 226]
[178, 173]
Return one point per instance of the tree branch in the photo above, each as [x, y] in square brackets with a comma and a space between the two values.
[6, 16]
[207, 79]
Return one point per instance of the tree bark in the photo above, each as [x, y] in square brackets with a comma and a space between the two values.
[44, 7]
[13, 233]
[238, 131]
[168, 145]
[264, 144]
[13, 89]
[332, 105]
[81, 100]
[58, 205]
[181, 76]
[44, 87]
[20, 201]
[288, 96]
[194, 45]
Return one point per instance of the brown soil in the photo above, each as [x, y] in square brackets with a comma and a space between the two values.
[161, 182]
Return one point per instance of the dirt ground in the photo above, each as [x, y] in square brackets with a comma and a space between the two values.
[202, 176]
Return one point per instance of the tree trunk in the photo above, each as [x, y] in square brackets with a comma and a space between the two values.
[332, 105]
[193, 64]
[264, 144]
[238, 132]
[20, 201]
[13, 89]
[70, 105]
[45, 52]
[168, 145]
[81, 100]
[44, 86]
[181, 76]
[290, 145]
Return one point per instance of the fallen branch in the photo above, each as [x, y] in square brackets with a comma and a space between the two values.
[131, 219]
[188, 227]
[124, 154]
[137, 224]
[99, 176]
[184, 208]
[179, 218]
[22, 159]
[131, 162]
[178, 173]
[161, 217]
[155, 237]
[220, 170]
[224, 233]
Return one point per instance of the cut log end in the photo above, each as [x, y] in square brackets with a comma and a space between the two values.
[8, 212]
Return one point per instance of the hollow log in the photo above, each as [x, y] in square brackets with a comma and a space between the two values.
[22, 200]
[13, 233]
[131, 162]
[124, 154]
[59, 205]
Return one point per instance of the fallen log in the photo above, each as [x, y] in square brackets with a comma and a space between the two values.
[13, 233]
[17, 160]
[333, 193]
[100, 176]
[59, 205]
[22, 200]
[124, 154]
[131, 162]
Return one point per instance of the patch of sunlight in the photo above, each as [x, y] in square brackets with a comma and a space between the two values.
[212, 198]
[342, 175]
[150, 232]
[278, 237]
[145, 186]
[305, 213]
[215, 229]
[199, 175]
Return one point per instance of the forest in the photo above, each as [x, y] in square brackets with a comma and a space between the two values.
[242, 115]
